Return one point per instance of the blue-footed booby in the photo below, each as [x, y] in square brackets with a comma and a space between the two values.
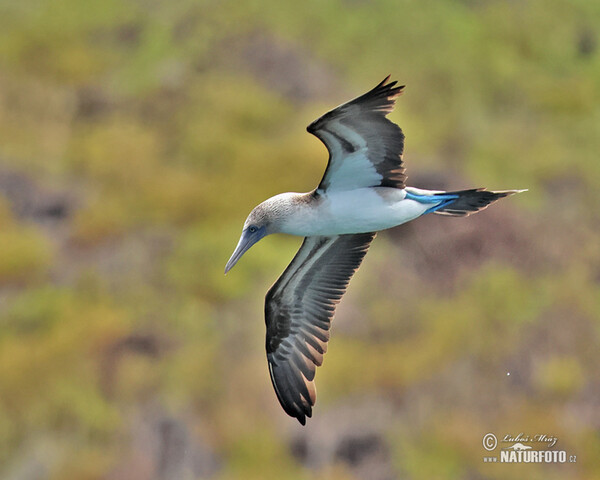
[362, 191]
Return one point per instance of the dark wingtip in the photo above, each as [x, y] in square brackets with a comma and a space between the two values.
[389, 89]
[382, 97]
[301, 417]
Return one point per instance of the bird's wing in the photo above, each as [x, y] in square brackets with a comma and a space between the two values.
[298, 312]
[365, 148]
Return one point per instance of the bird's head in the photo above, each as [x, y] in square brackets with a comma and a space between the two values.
[265, 219]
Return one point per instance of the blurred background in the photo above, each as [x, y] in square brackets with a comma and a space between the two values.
[135, 137]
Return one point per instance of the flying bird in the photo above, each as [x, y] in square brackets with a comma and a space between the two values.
[362, 191]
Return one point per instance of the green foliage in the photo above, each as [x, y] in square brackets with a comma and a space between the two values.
[561, 376]
[26, 255]
[165, 125]
[431, 458]
[448, 330]
[260, 455]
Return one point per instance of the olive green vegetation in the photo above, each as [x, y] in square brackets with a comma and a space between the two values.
[136, 136]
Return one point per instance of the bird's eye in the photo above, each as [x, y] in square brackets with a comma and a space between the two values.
[252, 229]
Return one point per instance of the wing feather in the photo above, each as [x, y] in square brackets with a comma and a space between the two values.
[298, 312]
[365, 148]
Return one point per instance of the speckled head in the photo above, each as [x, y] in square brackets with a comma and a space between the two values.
[264, 219]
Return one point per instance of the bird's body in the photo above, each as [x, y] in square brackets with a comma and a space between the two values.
[362, 192]
[348, 211]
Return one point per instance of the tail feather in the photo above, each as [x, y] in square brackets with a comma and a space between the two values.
[469, 201]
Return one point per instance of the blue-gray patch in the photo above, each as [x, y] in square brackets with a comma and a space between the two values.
[440, 197]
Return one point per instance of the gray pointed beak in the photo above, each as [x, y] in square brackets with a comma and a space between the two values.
[246, 241]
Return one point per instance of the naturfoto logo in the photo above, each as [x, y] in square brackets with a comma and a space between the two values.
[524, 448]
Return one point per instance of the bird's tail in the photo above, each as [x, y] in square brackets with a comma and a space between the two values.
[465, 202]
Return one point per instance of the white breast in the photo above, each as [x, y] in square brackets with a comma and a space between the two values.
[354, 211]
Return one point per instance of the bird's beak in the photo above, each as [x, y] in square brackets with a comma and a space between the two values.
[246, 241]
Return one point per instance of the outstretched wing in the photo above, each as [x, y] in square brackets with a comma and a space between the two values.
[365, 148]
[298, 312]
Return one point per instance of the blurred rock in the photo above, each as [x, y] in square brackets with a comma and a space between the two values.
[30, 200]
[150, 345]
[352, 433]
[587, 42]
[162, 447]
[35, 460]
[92, 102]
[280, 66]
